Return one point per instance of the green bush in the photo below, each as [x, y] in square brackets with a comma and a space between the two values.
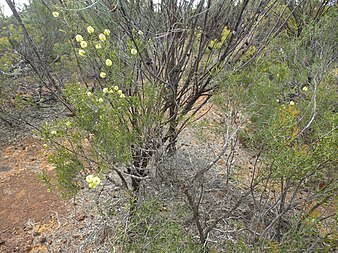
[154, 229]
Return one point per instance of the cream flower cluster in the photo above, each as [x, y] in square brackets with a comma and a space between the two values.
[116, 89]
[84, 44]
[93, 181]
[109, 63]
[108, 91]
[103, 75]
[90, 29]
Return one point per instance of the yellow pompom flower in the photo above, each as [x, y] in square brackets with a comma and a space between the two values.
[106, 32]
[304, 88]
[133, 51]
[82, 52]
[103, 75]
[90, 29]
[109, 62]
[55, 14]
[292, 103]
[89, 94]
[116, 88]
[122, 96]
[100, 100]
[53, 132]
[78, 38]
[119, 92]
[93, 181]
[89, 178]
[98, 46]
[105, 90]
[140, 33]
[96, 180]
[102, 37]
[83, 44]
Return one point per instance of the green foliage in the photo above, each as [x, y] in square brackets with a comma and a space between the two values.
[46, 31]
[67, 166]
[280, 94]
[311, 236]
[289, 97]
[93, 141]
[153, 229]
[224, 36]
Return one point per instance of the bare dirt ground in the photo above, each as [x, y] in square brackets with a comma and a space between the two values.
[27, 209]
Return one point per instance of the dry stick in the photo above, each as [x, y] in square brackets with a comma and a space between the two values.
[317, 205]
[271, 34]
[212, 163]
[196, 217]
[253, 176]
[239, 202]
[314, 99]
[41, 64]
[231, 158]
[293, 205]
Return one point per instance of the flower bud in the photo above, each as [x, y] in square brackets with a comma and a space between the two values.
[109, 62]
[83, 44]
[82, 52]
[78, 38]
[102, 37]
[90, 29]
[133, 51]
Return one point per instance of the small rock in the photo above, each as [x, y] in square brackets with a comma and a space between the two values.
[76, 236]
[2, 241]
[36, 233]
[28, 248]
[4, 168]
[43, 239]
[80, 216]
